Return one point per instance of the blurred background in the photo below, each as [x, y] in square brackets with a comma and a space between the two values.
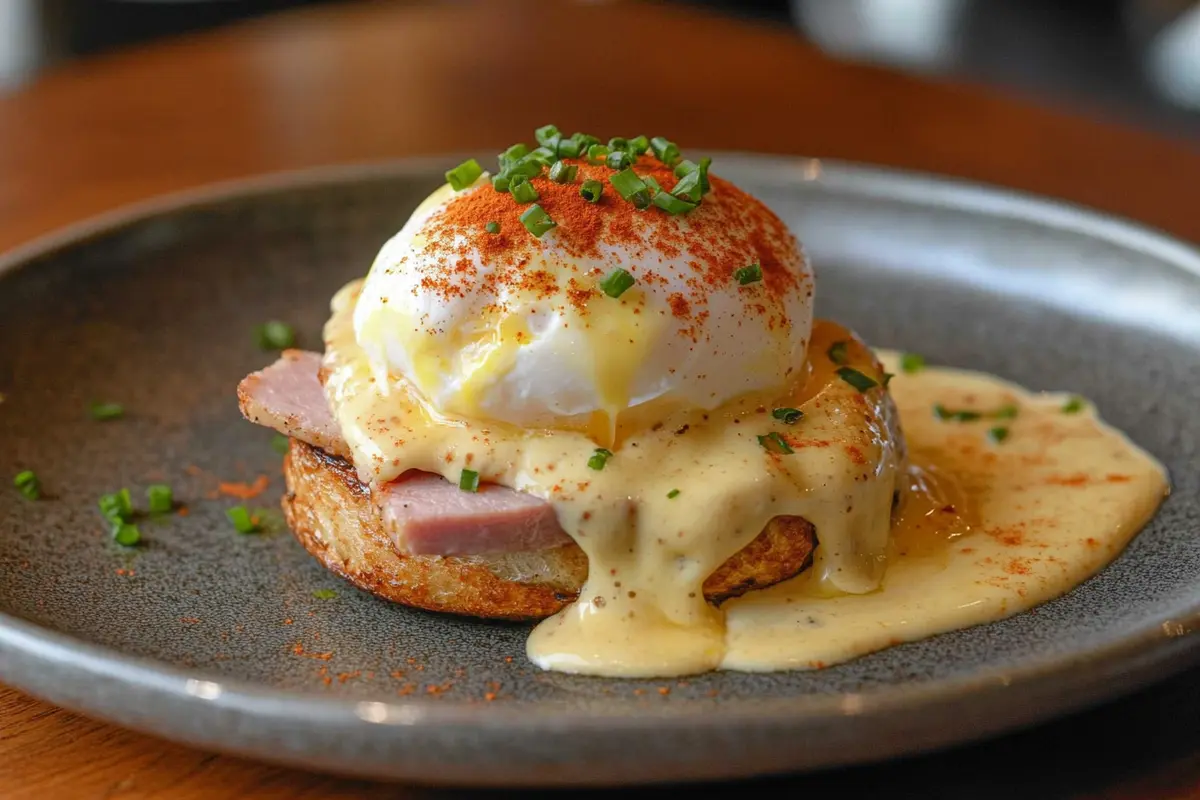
[1130, 61]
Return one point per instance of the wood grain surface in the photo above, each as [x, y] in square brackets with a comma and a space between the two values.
[360, 82]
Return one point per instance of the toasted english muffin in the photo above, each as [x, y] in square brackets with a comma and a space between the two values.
[330, 511]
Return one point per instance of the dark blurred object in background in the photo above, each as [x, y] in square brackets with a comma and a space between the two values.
[1133, 61]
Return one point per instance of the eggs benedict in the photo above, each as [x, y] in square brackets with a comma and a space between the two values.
[589, 389]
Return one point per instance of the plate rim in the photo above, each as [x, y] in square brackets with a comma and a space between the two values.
[1158, 648]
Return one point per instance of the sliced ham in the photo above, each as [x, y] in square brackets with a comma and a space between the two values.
[288, 397]
[428, 515]
[424, 513]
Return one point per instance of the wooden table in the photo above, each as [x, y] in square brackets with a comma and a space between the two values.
[362, 82]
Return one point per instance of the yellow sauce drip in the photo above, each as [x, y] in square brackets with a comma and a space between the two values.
[962, 531]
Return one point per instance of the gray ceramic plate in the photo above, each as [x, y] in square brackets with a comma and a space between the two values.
[216, 639]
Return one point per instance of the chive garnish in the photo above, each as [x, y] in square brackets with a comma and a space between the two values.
[775, 443]
[689, 188]
[887, 379]
[161, 498]
[324, 594]
[998, 434]
[591, 190]
[747, 275]
[664, 150]
[125, 534]
[464, 174]
[275, 335]
[631, 188]
[116, 507]
[562, 172]
[569, 148]
[547, 134]
[1009, 411]
[837, 353]
[788, 416]
[241, 519]
[280, 443]
[501, 183]
[28, 484]
[492, 227]
[597, 154]
[911, 362]
[1074, 405]
[537, 221]
[514, 153]
[856, 379]
[617, 282]
[941, 412]
[672, 204]
[104, 411]
[639, 145]
[541, 156]
[671, 495]
[599, 458]
[523, 191]
[618, 143]
[618, 159]
[651, 184]
[468, 481]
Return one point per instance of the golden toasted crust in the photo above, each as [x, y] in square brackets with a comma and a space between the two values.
[330, 512]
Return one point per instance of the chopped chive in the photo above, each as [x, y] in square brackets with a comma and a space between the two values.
[514, 153]
[689, 187]
[568, 148]
[618, 159]
[280, 443]
[103, 411]
[591, 190]
[1074, 405]
[546, 133]
[464, 174]
[856, 379]
[887, 379]
[537, 221]
[941, 412]
[671, 495]
[562, 172]
[618, 143]
[501, 182]
[653, 185]
[468, 481]
[324, 594]
[911, 363]
[528, 168]
[685, 167]
[596, 154]
[998, 434]
[492, 227]
[160, 497]
[775, 443]
[631, 188]
[125, 534]
[585, 140]
[116, 507]
[1009, 411]
[524, 192]
[599, 458]
[639, 145]
[275, 335]
[241, 519]
[672, 204]
[617, 282]
[747, 275]
[28, 484]
[544, 156]
[664, 150]
[789, 416]
[837, 352]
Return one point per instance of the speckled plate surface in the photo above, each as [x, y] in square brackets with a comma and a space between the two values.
[209, 637]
